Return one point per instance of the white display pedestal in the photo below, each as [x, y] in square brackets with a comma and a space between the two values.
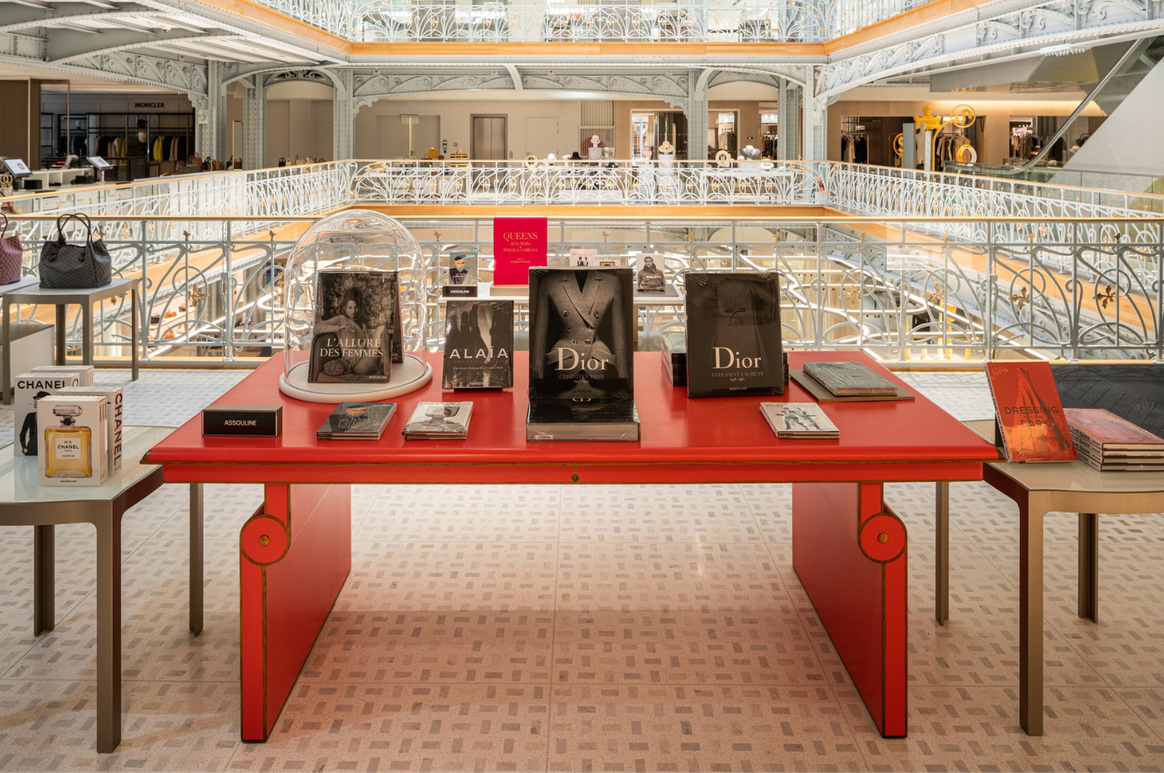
[408, 376]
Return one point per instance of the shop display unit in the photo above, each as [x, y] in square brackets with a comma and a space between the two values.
[354, 242]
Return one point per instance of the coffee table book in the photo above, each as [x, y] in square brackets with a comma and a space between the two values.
[357, 421]
[734, 340]
[581, 359]
[478, 345]
[798, 420]
[850, 379]
[1031, 421]
[1107, 442]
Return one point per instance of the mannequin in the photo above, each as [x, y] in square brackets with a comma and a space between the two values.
[594, 148]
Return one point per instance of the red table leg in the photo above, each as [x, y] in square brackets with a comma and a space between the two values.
[849, 551]
[294, 555]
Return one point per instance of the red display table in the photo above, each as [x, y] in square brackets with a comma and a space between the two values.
[848, 547]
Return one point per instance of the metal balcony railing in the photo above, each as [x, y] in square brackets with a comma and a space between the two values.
[590, 21]
[946, 266]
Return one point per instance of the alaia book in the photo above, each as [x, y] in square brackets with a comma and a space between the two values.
[734, 344]
[581, 354]
[478, 345]
[356, 335]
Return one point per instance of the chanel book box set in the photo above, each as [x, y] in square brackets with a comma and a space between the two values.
[74, 439]
[37, 384]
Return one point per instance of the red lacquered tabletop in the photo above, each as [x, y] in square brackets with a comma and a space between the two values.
[675, 430]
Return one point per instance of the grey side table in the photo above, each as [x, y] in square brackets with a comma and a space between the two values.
[1038, 489]
[23, 502]
[62, 299]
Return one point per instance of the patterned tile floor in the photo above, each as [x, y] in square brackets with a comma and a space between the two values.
[515, 628]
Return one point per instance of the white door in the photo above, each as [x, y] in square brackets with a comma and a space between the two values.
[541, 137]
[394, 136]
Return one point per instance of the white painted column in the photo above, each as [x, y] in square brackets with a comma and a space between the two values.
[814, 116]
[343, 117]
[254, 123]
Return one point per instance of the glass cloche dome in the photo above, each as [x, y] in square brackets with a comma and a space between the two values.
[354, 303]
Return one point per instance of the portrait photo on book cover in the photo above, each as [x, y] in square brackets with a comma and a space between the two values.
[650, 274]
[462, 267]
[581, 336]
[355, 315]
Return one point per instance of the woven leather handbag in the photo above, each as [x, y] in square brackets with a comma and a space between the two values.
[65, 266]
[11, 255]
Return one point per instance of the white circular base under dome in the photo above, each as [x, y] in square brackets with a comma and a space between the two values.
[408, 376]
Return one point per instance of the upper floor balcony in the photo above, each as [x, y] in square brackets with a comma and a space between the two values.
[589, 21]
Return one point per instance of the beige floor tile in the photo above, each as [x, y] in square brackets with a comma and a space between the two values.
[658, 514]
[464, 514]
[50, 725]
[405, 727]
[699, 727]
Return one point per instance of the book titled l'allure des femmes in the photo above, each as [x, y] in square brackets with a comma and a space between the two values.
[355, 338]
[734, 344]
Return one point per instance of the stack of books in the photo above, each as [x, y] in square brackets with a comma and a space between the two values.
[1107, 442]
[439, 421]
[357, 421]
[673, 345]
[798, 420]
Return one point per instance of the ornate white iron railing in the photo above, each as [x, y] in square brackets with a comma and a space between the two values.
[954, 263]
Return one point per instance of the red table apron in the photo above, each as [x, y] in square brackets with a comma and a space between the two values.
[848, 548]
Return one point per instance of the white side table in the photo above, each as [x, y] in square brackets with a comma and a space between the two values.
[23, 502]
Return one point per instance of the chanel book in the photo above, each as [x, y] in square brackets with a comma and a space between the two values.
[582, 325]
[356, 337]
[478, 345]
[734, 344]
[356, 421]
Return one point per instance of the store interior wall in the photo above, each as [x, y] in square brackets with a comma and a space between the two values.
[994, 147]
[299, 122]
[20, 125]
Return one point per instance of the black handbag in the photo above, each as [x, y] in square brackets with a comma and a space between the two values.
[65, 266]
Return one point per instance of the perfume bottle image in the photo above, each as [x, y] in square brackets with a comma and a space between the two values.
[68, 448]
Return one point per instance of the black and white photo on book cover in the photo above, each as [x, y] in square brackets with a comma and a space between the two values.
[354, 337]
[798, 420]
[649, 274]
[581, 333]
[439, 419]
[734, 344]
[478, 345]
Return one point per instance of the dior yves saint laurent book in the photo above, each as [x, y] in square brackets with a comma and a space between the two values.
[478, 345]
[734, 344]
[355, 338]
[581, 347]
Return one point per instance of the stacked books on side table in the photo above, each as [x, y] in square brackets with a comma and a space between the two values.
[439, 421]
[798, 420]
[1108, 443]
[357, 421]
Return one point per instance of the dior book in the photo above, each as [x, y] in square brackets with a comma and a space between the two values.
[356, 337]
[734, 344]
[582, 343]
[478, 345]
